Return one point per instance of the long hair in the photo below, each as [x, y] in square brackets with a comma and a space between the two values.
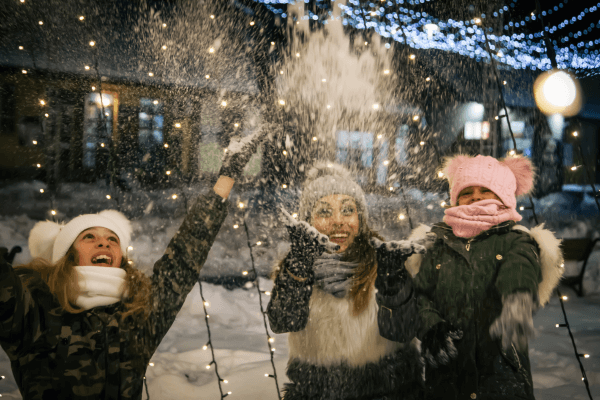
[61, 280]
[362, 252]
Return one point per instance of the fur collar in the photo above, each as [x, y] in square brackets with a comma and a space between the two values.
[551, 258]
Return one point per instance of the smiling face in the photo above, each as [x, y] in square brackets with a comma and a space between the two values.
[336, 216]
[473, 194]
[98, 247]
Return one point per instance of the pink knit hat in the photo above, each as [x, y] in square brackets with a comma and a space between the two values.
[507, 178]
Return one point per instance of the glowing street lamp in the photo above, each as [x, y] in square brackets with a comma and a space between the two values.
[558, 92]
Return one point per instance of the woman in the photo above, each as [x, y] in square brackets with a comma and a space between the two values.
[480, 281]
[79, 322]
[324, 296]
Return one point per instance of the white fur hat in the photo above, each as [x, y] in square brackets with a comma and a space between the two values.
[51, 241]
[327, 178]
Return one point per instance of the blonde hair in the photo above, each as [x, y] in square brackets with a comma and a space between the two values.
[61, 280]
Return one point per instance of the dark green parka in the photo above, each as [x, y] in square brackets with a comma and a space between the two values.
[463, 282]
[95, 354]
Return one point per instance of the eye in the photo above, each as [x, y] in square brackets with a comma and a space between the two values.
[88, 236]
[348, 210]
[114, 239]
[323, 212]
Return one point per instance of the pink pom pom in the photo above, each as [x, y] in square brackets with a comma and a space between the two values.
[524, 173]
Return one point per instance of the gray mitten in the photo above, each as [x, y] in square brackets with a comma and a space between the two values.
[333, 275]
[515, 323]
[238, 153]
[306, 244]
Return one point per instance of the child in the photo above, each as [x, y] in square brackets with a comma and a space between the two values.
[480, 281]
[324, 297]
[79, 322]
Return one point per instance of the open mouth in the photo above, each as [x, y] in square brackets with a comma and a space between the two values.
[102, 259]
[338, 237]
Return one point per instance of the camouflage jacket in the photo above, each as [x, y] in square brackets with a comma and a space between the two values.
[95, 354]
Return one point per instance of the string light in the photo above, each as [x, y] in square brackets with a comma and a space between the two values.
[527, 50]
[92, 43]
[53, 212]
[81, 17]
[211, 50]
[93, 88]
[41, 22]
[164, 47]
[108, 196]
[20, 47]
[174, 197]
[207, 76]
[295, 215]
[375, 106]
[34, 142]
[24, 71]
[262, 310]
[41, 190]
[150, 73]
[236, 226]
[282, 102]
[177, 125]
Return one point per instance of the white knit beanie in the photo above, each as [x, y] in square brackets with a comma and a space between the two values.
[327, 178]
[51, 241]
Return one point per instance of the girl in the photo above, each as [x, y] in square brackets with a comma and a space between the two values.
[480, 281]
[79, 322]
[324, 296]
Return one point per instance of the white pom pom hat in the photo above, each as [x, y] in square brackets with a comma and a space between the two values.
[51, 241]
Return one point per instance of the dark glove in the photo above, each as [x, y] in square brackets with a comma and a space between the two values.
[391, 274]
[437, 345]
[306, 245]
[333, 275]
[238, 153]
[515, 323]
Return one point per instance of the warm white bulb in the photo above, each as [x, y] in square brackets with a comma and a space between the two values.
[92, 43]
[174, 197]
[375, 106]
[178, 125]
[295, 216]
[81, 17]
[108, 196]
[235, 227]
[150, 73]
[164, 47]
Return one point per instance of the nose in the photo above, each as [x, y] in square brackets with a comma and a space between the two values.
[476, 196]
[103, 242]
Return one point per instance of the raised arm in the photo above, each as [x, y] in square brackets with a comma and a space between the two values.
[398, 314]
[289, 305]
[176, 273]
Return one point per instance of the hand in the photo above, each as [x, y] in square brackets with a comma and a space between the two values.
[238, 153]
[306, 245]
[333, 275]
[438, 346]
[515, 323]
[391, 256]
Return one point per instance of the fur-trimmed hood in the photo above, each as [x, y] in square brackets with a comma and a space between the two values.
[551, 258]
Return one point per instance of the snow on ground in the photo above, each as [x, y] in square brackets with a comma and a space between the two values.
[236, 324]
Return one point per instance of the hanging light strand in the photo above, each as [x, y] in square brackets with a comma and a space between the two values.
[209, 344]
[577, 354]
[262, 312]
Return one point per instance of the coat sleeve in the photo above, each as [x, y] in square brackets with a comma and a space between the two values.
[177, 271]
[521, 269]
[288, 308]
[425, 284]
[20, 314]
[398, 314]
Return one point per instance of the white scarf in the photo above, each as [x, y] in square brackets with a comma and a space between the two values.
[100, 286]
